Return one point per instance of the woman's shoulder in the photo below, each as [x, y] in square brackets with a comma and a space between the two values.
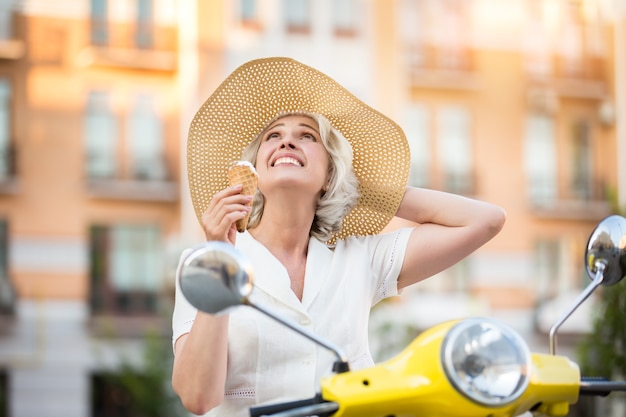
[359, 242]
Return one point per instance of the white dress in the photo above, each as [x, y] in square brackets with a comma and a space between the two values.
[268, 362]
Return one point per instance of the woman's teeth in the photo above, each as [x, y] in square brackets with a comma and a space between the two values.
[290, 161]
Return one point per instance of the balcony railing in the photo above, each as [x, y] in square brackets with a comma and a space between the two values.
[447, 68]
[132, 46]
[149, 181]
[588, 201]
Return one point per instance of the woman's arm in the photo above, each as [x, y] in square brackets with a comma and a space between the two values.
[448, 228]
[199, 373]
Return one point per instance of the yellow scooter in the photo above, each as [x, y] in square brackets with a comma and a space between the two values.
[476, 367]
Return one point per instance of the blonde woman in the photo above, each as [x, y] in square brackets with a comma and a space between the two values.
[332, 174]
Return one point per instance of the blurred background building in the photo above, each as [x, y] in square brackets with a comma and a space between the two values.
[520, 103]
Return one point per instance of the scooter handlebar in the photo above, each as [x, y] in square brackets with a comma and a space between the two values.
[311, 406]
[600, 386]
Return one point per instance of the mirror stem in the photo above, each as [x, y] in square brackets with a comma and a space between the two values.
[600, 267]
[342, 361]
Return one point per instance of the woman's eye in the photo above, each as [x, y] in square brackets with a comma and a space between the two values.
[273, 136]
[308, 136]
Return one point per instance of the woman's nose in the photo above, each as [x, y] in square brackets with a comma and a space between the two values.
[287, 142]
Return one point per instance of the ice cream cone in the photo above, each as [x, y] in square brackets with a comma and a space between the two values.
[244, 173]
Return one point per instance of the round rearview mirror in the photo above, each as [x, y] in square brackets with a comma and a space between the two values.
[607, 245]
[215, 276]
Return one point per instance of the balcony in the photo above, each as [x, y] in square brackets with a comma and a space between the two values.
[583, 78]
[441, 68]
[587, 202]
[457, 183]
[149, 181]
[11, 49]
[132, 189]
[130, 46]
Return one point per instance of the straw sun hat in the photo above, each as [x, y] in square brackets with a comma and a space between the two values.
[257, 92]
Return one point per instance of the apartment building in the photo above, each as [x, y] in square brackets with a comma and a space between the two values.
[511, 102]
[89, 195]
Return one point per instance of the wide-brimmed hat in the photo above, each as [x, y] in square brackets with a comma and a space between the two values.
[258, 91]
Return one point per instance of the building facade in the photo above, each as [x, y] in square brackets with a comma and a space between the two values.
[90, 195]
[514, 102]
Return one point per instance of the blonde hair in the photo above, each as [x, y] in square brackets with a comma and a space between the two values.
[342, 193]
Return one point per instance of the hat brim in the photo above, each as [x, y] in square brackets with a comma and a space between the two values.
[257, 92]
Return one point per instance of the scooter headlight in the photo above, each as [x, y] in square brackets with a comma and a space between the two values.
[486, 361]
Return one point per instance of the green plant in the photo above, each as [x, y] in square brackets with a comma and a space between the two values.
[141, 390]
[150, 386]
[602, 352]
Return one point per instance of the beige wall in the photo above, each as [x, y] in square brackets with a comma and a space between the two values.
[495, 89]
[53, 202]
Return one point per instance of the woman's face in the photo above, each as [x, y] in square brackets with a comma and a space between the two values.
[291, 154]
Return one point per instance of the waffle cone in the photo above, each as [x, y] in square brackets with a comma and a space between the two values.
[244, 175]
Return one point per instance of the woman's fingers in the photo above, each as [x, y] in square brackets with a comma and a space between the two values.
[225, 208]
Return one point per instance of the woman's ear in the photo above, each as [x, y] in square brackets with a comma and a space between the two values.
[327, 185]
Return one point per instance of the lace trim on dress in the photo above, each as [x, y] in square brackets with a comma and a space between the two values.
[240, 393]
[390, 263]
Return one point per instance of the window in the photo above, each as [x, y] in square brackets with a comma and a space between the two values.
[540, 159]
[6, 20]
[144, 37]
[581, 181]
[417, 133]
[412, 27]
[572, 40]
[100, 136]
[559, 277]
[557, 266]
[109, 397]
[6, 160]
[345, 17]
[454, 280]
[99, 24]
[146, 141]
[248, 12]
[126, 268]
[451, 34]
[7, 293]
[297, 15]
[536, 42]
[120, 395]
[547, 261]
[455, 149]
[138, 388]
[4, 245]
[4, 393]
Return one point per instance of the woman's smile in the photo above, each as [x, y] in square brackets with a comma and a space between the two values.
[287, 160]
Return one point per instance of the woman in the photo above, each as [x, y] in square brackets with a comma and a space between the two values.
[332, 173]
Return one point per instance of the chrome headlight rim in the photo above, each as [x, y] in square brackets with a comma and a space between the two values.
[511, 336]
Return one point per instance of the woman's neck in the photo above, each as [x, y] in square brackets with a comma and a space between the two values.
[285, 229]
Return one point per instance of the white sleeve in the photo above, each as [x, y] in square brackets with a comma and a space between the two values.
[184, 313]
[387, 262]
